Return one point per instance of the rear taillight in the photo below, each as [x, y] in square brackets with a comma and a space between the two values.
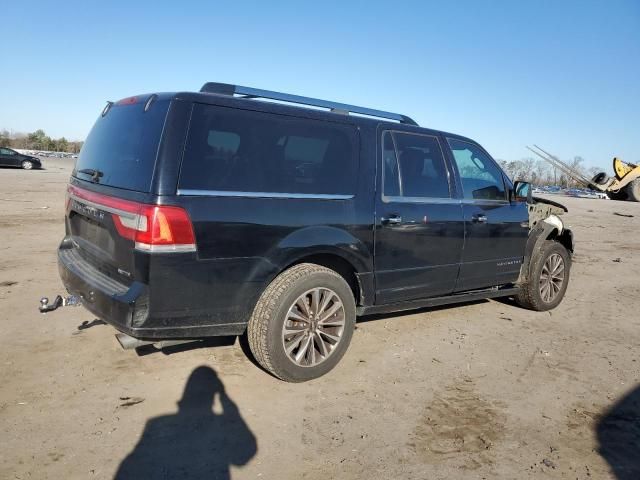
[153, 228]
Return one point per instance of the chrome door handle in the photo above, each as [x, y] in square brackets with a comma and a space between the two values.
[479, 218]
[391, 220]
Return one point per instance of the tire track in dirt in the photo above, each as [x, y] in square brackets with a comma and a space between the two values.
[459, 426]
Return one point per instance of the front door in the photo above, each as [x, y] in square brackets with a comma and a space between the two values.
[419, 226]
[496, 230]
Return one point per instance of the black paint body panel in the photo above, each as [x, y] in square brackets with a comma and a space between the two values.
[243, 242]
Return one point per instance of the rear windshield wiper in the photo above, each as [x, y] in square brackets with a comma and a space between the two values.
[95, 174]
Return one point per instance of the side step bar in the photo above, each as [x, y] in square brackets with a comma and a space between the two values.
[129, 343]
[437, 301]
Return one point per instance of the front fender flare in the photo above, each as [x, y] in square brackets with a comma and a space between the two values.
[541, 232]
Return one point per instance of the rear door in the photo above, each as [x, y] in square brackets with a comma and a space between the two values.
[496, 231]
[263, 187]
[419, 227]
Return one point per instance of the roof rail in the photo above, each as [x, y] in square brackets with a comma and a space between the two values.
[248, 92]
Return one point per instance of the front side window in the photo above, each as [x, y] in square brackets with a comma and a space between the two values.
[230, 150]
[415, 168]
[6, 151]
[481, 178]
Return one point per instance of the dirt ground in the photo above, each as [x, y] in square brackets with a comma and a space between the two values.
[482, 390]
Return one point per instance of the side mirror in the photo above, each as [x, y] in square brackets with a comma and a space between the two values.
[522, 192]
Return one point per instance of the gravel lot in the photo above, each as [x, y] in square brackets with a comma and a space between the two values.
[482, 390]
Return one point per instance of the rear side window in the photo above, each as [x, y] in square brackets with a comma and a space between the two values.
[415, 168]
[231, 150]
[123, 145]
[481, 178]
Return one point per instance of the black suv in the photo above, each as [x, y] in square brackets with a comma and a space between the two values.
[219, 213]
[11, 158]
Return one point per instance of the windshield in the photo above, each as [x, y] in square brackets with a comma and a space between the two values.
[122, 146]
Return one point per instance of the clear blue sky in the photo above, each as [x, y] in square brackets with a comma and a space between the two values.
[563, 74]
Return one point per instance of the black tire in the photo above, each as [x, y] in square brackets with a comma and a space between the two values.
[633, 190]
[27, 165]
[265, 328]
[530, 295]
[619, 195]
[600, 178]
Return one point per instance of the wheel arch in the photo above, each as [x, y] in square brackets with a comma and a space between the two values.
[339, 264]
[565, 238]
[331, 247]
[539, 234]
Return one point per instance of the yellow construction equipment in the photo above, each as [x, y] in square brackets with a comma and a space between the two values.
[624, 185]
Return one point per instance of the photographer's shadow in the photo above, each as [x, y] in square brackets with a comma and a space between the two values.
[194, 443]
[619, 437]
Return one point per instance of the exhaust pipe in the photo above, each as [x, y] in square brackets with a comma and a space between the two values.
[128, 342]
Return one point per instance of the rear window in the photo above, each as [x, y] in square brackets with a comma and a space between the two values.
[123, 145]
[231, 150]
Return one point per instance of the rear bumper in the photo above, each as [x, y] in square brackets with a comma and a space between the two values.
[128, 307]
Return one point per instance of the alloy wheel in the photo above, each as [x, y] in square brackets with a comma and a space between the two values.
[551, 278]
[313, 327]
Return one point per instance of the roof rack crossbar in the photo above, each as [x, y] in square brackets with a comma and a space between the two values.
[248, 92]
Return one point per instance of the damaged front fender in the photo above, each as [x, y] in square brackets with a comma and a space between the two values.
[544, 224]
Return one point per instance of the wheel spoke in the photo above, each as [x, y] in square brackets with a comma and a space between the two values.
[337, 305]
[293, 315]
[315, 300]
[558, 273]
[544, 291]
[322, 346]
[293, 329]
[302, 352]
[335, 338]
[302, 306]
[331, 323]
[312, 350]
[294, 343]
[326, 298]
[559, 263]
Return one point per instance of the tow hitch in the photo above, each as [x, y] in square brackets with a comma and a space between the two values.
[70, 301]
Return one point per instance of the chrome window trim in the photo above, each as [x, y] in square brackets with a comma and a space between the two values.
[425, 200]
[442, 200]
[223, 193]
[483, 201]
